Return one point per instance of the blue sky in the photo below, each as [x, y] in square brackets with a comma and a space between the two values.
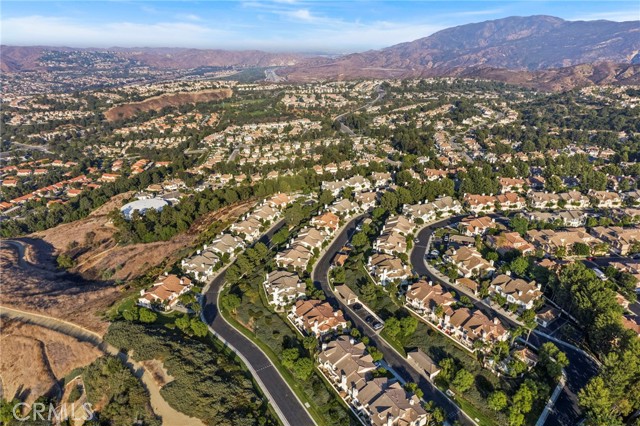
[282, 25]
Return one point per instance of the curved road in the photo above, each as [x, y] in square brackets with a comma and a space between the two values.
[395, 360]
[581, 369]
[285, 402]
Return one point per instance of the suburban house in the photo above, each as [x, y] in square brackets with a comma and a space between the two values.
[279, 200]
[550, 241]
[399, 224]
[348, 295]
[367, 200]
[446, 206]
[226, 243]
[347, 364]
[201, 265]
[248, 228]
[633, 196]
[508, 241]
[424, 297]
[470, 326]
[469, 262]
[380, 179]
[390, 242]
[480, 203]
[165, 292]
[516, 290]
[568, 218]
[605, 199]
[547, 316]
[435, 174]
[357, 183]
[573, 200]
[386, 268]
[377, 401]
[344, 207]
[425, 212]
[542, 200]
[283, 287]
[316, 317]
[620, 240]
[296, 257]
[511, 184]
[310, 238]
[469, 284]
[570, 200]
[472, 226]
[510, 201]
[326, 221]
[423, 363]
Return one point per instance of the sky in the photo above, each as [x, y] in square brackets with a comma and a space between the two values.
[276, 25]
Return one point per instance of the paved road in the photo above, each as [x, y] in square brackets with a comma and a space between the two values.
[581, 368]
[289, 408]
[396, 361]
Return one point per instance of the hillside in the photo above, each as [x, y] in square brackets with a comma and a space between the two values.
[156, 103]
[24, 58]
[528, 44]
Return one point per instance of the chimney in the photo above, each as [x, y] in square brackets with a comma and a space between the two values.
[496, 321]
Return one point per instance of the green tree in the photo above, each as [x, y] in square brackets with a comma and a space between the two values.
[552, 360]
[65, 261]
[519, 266]
[198, 328]
[183, 323]
[519, 224]
[581, 249]
[131, 314]
[413, 388]
[230, 302]
[302, 368]
[497, 401]
[448, 369]
[595, 399]
[148, 316]
[463, 380]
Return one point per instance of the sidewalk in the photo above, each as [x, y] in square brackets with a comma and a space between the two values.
[552, 400]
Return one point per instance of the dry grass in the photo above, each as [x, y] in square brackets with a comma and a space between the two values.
[33, 359]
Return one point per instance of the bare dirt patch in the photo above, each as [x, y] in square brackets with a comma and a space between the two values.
[158, 373]
[83, 293]
[156, 103]
[98, 257]
[33, 359]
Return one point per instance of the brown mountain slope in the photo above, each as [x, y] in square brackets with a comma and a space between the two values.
[557, 79]
[527, 44]
[18, 58]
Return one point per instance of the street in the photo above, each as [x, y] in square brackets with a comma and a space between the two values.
[395, 360]
[285, 402]
[581, 367]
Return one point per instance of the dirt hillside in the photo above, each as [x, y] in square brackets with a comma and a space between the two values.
[125, 111]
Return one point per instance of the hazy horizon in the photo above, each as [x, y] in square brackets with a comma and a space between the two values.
[276, 26]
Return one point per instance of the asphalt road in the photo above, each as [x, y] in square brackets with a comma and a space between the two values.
[581, 369]
[396, 361]
[285, 402]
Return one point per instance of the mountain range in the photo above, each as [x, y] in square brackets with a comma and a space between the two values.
[536, 51]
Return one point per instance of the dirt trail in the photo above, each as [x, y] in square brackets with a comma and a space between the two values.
[170, 416]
